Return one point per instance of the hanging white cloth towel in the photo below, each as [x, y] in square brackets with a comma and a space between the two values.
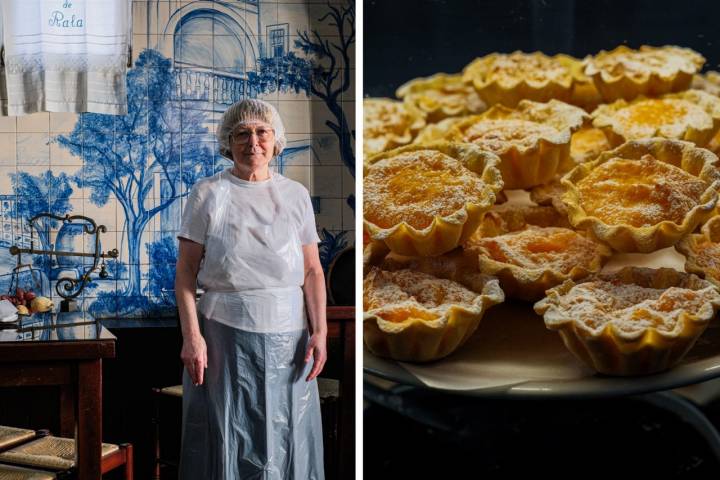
[66, 55]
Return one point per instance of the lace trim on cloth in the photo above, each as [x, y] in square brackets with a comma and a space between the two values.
[16, 64]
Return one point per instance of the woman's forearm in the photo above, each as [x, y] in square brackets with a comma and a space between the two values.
[315, 299]
[185, 297]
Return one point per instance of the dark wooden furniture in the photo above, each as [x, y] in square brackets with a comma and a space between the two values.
[71, 358]
[341, 324]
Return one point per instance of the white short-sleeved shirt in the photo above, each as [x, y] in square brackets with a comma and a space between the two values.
[253, 234]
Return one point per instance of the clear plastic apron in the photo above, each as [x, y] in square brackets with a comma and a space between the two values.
[253, 264]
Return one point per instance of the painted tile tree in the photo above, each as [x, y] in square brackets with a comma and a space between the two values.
[145, 145]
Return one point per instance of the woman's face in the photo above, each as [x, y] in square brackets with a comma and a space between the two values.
[252, 144]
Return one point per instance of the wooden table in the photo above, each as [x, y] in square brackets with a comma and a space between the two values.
[341, 324]
[71, 358]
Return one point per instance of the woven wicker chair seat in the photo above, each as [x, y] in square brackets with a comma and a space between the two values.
[174, 391]
[10, 436]
[49, 452]
[9, 472]
[328, 387]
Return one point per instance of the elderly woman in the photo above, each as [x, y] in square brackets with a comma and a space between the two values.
[248, 238]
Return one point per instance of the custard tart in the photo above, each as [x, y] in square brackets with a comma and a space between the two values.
[441, 96]
[428, 199]
[708, 82]
[509, 78]
[532, 140]
[692, 115]
[632, 322]
[417, 317]
[702, 251]
[627, 73]
[587, 143]
[435, 132]
[531, 249]
[550, 194]
[389, 124]
[644, 195]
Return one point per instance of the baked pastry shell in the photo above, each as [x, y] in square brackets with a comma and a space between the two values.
[413, 92]
[626, 238]
[510, 91]
[538, 163]
[392, 139]
[612, 351]
[616, 86]
[530, 284]
[689, 247]
[419, 340]
[603, 118]
[444, 232]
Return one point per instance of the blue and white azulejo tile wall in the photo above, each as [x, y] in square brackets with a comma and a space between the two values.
[191, 60]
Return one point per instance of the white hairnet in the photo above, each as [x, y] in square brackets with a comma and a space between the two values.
[247, 111]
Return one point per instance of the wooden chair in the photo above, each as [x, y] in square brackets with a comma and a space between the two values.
[12, 436]
[167, 398]
[57, 455]
[11, 472]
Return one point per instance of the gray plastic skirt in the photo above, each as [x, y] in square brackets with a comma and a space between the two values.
[255, 416]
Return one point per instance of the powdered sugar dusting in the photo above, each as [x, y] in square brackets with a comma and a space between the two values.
[586, 144]
[553, 248]
[416, 186]
[447, 94]
[707, 257]
[413, 290]
[631, 307]
[639, 193]
[388, 124]
[518, 66]
[665, 62]
[498, 135]
[667, 117]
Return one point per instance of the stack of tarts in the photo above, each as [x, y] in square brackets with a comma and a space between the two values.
[618, 154]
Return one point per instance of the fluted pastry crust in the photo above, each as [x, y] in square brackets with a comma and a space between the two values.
[632, 322]
[441, 96]
[532, 140]
[389, 124]
[428, 199]
[644, 195]
[692, 115]
[414, 316]
[627, 73]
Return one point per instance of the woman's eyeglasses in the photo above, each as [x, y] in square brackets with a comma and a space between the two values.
[242, 136]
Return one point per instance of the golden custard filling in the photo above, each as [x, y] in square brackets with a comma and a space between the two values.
[707, 257]
[631, 308]
[415, 187]
[639, 193]
[555, 248]
[386, 116]
[588, 143]
[406, 294]
[670, 116]
[497, 135]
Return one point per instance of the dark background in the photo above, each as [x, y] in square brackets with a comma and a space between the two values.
[408, 39]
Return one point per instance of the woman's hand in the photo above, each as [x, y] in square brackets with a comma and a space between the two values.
[194, 357]
[317, 348]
